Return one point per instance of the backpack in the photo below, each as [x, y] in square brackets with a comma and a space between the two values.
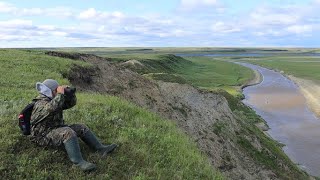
[24, 118]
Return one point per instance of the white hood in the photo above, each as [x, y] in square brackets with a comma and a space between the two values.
[43, 89]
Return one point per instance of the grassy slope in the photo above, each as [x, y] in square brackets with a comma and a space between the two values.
[204, 72]
[211, 73]
[150, 147]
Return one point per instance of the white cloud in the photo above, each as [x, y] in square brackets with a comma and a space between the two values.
[201, 5]
[270, 33]
[16, 23]
[59, 33]
[268, 16]
[180, 33]
[61, 12]
[20, 29]
[118, 24]
[200, 23]
[287, 21]
[93, 15]
[6, 7]
[52, 12]
[221, 27]
[28, 12]
[47, 27]
[189, 4]
[6, 37]
[299, 29]
[88, 14]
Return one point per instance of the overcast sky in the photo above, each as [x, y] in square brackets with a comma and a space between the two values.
[109, 23]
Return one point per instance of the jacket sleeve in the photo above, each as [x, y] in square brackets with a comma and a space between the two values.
[43, 108]
[55, 104]
[70, 102]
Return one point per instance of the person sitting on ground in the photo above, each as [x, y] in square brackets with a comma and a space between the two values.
[49, 129]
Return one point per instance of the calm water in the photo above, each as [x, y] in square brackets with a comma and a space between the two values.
[279, 102]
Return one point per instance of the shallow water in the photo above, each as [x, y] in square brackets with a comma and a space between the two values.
[279, 101]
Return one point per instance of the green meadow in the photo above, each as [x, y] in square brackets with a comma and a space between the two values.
[202, 72]
[212, 74]
[300, 66]
[150, 147]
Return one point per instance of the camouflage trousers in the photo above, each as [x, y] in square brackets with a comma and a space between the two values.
[56, 137]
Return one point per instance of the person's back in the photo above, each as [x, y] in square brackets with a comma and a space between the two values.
[49, 129]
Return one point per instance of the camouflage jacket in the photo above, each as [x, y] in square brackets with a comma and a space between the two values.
[47, 113]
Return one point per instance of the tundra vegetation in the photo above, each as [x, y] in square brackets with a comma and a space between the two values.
[150, 146]
[306, 67]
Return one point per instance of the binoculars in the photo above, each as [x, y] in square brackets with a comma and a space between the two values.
[69, 93]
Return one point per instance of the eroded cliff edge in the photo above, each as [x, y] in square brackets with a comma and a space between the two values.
[223, 128]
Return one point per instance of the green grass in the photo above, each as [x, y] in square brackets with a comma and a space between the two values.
[166, 77]
[150, 147]
[296, 66]
[212, 73]
[203, 72]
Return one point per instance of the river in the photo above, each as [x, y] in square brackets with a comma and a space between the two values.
[280, 103]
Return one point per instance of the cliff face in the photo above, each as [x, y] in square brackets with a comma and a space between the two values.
[222, 133]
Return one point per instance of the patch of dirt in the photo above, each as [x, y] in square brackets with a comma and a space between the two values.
[133, 65]
[133, 62]
[204, 116]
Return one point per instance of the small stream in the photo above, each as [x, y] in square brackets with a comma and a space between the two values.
[279, 102]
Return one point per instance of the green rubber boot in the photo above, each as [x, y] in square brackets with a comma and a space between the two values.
[92, 141]
[74, 153]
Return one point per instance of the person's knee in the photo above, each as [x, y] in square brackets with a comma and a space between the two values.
[60, 135]
[68, 134]
[80, 129]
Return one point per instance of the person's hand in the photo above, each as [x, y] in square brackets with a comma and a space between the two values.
[60, 89]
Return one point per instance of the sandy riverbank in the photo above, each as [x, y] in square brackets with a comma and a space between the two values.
[311, 92]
